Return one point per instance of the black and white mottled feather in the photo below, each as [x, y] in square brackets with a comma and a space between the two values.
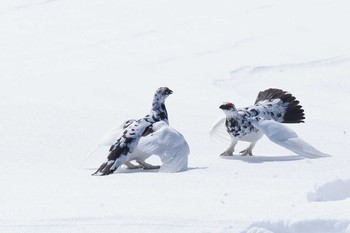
[133, 130]
[154, 136]
[123, 146]
[273, 105]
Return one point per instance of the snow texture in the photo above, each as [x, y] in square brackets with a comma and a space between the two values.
[306, 226]
[334, 190]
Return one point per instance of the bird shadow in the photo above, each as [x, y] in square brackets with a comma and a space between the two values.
[141, 170]
[137, 170]
[263, 159]
[125, 170]
[196, 168]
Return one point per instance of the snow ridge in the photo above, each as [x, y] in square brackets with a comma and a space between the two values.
[306, 226]
[251, 70]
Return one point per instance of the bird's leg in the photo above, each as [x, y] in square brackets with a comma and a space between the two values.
[230, 149]
[132, 166]
[147, 166]
[248, 150]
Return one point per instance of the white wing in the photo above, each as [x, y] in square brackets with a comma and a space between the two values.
[112, 136]
[169, 145]
[106, 142]
[218, 132]
[286, 137]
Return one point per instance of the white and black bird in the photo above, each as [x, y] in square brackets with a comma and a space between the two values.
[272, 107]
[118, 153]
[139, 139]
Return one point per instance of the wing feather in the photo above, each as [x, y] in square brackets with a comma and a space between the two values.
[112, 136]
[287, 138]
[218, 133]
[109, 139]
[169, 145]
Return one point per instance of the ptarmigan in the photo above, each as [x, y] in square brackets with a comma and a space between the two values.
[272, 107]
[139, 139]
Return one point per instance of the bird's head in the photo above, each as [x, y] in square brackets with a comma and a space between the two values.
[162, 93]
[228, 108]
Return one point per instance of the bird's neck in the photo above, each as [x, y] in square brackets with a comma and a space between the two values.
[159, 110]
[232, 114]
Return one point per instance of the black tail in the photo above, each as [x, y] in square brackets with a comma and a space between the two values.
[104, 169]
[294, 111]
[113, 159]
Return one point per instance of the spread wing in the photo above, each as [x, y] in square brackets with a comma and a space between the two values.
[112, 136]
[165, 142]
[219, 133]
[109, 139]
[169, 145]
[287, 138]
[123, 146]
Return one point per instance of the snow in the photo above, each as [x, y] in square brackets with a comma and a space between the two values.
[71, 70]
[301, 226]
[334, 190]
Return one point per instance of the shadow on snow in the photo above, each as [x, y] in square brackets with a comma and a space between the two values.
[263, 159]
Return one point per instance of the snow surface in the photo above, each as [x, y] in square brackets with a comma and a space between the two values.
[334, 190]
[71, 70]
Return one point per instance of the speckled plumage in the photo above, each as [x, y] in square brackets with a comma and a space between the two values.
[271, 104]
[133, 130]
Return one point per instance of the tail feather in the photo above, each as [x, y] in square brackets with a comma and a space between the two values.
[294, 111]
[270, 94]
[104, 169]
[115, 158]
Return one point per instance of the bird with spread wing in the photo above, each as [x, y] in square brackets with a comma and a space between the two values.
[272, 108]
[139, 139]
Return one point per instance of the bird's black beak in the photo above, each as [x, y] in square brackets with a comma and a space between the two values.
[223, 106]
[169, 92]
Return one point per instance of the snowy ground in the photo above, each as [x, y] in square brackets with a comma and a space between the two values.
[70, 70]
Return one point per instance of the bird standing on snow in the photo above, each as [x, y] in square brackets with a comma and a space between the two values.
[139, 139]
[272, 107]
[124, 145]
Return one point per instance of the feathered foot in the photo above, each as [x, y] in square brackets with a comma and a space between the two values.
[230, 150]
[147, 166]
[142, 165]
[226, 153]
[133, 166]
[248, 150]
